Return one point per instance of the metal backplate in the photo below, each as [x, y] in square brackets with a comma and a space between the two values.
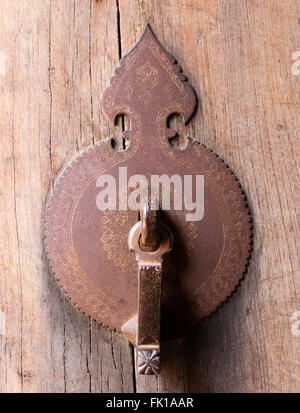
[87, 248]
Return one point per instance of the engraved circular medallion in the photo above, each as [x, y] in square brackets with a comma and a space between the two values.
[88, 252]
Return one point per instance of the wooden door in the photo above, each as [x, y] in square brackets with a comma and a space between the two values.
[243, 59]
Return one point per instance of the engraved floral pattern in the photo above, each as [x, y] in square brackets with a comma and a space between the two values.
[147, 70]
[148, 362]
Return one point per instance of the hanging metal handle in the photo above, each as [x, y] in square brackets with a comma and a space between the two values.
[151, 241]
[151, 228]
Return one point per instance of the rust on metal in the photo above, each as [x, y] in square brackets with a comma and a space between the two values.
[151, 231]
[150, 274]
[87, 248]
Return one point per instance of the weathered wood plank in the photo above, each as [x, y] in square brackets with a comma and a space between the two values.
[237, 55]
[57, 61]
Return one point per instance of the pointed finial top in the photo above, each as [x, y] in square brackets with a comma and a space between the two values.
[149, 82]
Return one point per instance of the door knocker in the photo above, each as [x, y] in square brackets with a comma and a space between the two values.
[151, 239]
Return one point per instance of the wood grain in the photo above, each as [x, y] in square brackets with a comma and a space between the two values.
[56, 59]
[57, 62]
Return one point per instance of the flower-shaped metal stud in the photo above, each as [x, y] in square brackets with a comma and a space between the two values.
[148, 362]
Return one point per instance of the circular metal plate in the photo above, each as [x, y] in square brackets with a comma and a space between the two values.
[88, 252]
[87, 248]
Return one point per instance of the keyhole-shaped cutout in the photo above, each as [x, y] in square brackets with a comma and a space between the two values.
[120, 142]
[178, 135]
